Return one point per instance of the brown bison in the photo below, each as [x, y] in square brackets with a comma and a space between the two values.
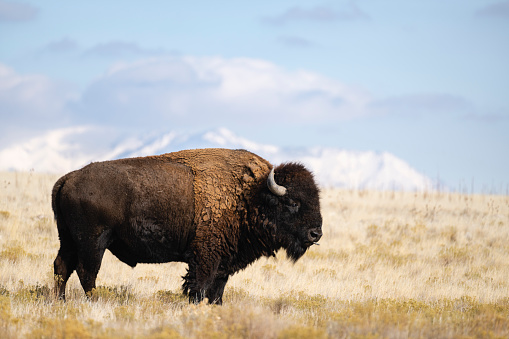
[217, 210]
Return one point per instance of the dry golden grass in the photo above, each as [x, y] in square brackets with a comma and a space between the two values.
[391, 265]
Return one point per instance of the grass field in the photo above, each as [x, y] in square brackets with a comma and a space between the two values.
[390, 265]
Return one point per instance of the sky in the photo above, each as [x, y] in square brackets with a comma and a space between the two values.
[425, 80]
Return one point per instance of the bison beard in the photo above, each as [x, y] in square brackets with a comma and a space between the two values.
[295, 250]
[217, 210]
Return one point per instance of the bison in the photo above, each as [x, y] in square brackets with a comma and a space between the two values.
[217, 210]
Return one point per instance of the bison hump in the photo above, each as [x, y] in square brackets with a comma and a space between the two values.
[223, 178]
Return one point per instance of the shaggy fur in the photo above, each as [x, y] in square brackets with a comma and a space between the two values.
[209, 208]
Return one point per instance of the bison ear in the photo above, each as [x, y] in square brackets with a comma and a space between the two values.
[273, 187]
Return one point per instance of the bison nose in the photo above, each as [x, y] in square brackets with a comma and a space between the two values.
[314, 235]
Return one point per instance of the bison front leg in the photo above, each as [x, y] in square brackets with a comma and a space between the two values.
[200, 280]
[213, 291]
[189, 287]
[216, 290]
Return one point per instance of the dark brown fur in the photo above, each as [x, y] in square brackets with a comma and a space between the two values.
[209, 208]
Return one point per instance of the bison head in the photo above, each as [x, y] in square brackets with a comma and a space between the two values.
[294, 198]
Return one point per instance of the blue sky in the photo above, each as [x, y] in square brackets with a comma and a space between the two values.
[425, 80]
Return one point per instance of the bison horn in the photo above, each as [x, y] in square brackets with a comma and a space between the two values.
[273, 187]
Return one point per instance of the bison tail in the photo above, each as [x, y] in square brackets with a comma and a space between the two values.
[63, 232]
[55, 196]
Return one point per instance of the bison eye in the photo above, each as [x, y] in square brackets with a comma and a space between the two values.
[293, 206]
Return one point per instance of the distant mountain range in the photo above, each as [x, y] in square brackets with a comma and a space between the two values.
[63, 150]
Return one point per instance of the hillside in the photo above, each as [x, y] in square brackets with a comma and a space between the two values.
[64, 150]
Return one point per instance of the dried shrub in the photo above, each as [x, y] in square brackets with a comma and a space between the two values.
[115, 294]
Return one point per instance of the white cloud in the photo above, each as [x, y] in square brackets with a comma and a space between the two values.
[191, 93]
[29, 99]
[184, 90]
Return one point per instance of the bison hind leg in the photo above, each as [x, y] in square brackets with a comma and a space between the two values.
[66, 261]
[64, 264]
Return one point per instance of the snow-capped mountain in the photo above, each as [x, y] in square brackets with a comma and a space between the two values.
[63, 150]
